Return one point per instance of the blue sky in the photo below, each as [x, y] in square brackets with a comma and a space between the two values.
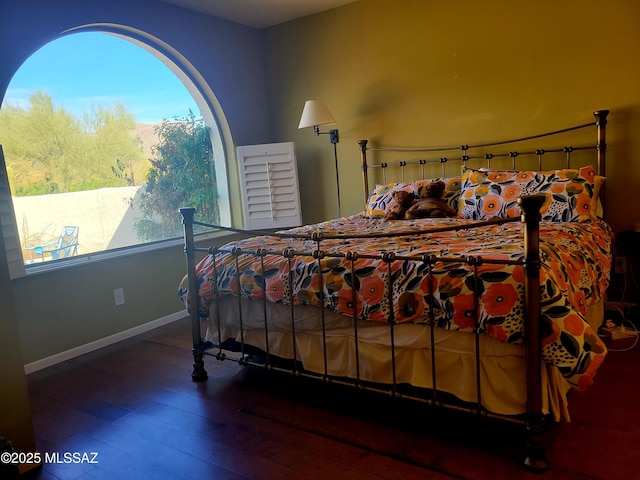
[83, 70]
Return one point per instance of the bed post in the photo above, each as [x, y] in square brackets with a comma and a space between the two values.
[536, 459]
[601, 124]
[199, 373]
[365, 176]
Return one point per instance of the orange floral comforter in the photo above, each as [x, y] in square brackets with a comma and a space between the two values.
[574, 274]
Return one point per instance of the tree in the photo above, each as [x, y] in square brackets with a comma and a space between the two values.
[182, 175]
[48, 150]
[112, 151]
[38, 142]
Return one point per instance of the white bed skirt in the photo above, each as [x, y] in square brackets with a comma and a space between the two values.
[502, 372]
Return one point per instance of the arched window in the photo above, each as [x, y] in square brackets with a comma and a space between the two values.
[105, 133]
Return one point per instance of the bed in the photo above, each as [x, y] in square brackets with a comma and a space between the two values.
[494, 311]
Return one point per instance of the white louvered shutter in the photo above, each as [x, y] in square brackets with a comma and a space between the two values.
[9, 225]
[269, 184]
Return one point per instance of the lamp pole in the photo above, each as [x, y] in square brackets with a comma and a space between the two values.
[333, 136]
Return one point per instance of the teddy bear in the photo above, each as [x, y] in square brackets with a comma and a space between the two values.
[402, 200]
[430, 205]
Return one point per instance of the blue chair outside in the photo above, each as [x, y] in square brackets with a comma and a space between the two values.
[65, 246]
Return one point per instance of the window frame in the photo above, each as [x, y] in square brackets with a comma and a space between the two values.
[214, 119]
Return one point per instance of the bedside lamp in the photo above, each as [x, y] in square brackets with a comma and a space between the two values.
[314, 114]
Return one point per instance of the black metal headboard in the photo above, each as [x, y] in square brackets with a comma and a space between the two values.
[462, 155]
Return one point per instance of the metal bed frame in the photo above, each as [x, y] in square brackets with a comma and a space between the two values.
[530, 205]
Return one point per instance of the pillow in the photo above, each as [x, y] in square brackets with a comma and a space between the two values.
[596, 203]
[493, 193]
[381, 198]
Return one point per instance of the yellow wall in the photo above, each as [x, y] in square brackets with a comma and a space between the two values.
[414, 72]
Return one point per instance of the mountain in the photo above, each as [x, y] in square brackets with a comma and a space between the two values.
[146, 133]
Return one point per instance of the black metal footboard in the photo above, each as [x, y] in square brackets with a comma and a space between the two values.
[244, 353]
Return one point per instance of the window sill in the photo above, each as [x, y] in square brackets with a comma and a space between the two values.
[83, 259]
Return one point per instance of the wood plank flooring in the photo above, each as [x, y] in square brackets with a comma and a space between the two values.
[134, 404]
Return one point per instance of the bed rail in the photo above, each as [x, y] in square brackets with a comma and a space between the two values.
[199, 346]
[534, 423]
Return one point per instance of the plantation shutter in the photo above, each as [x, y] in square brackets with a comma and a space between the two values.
[9, 226]
[269, 185]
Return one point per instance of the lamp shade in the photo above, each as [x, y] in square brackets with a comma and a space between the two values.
[315, 112]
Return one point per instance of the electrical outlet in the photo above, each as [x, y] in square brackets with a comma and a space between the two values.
[620, 265]
[118, 296]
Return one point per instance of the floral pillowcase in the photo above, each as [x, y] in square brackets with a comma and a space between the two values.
[570, 193]
[381, 199]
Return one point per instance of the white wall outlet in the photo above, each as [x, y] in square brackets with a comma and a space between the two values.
[118, 296]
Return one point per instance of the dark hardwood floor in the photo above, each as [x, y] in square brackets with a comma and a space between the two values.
[134, 404]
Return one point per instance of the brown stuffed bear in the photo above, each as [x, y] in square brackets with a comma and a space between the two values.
[401, 202]
[430, 205]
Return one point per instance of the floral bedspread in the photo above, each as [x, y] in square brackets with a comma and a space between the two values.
[574, 274]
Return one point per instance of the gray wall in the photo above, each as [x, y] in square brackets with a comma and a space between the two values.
[60, 310]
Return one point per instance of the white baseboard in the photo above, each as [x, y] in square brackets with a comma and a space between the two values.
[103, 342]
